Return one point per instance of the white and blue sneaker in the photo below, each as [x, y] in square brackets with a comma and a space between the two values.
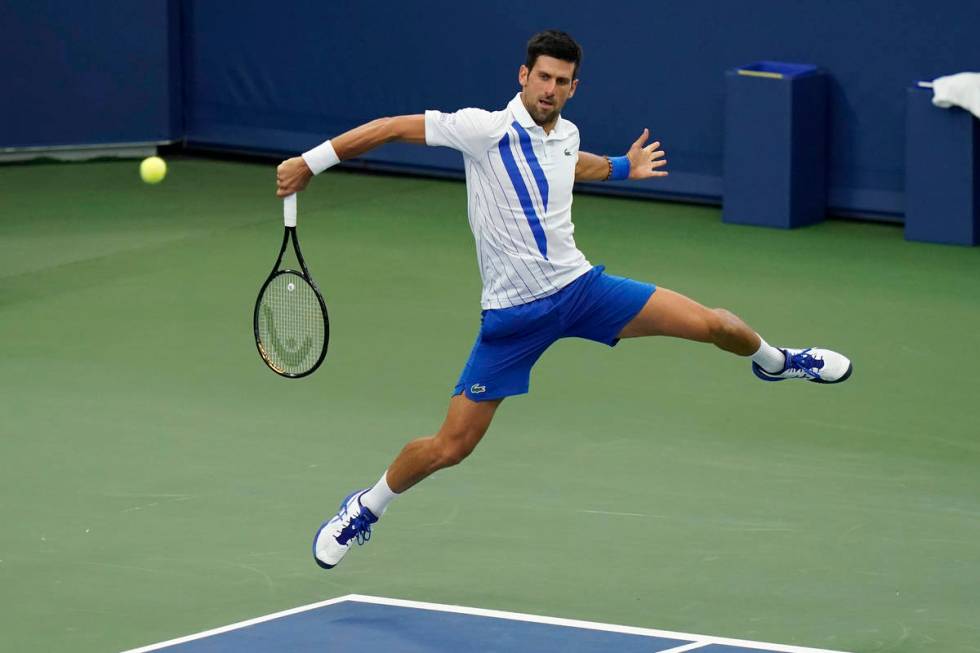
[812, 364]
[352, 523]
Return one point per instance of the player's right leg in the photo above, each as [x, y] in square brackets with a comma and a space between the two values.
[465, 425]
[510, 341]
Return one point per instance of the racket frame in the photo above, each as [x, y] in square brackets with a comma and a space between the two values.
[290, 234]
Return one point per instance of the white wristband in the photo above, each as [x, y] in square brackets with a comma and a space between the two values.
[321, 157]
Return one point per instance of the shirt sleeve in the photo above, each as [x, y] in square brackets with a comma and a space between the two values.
[471, 131]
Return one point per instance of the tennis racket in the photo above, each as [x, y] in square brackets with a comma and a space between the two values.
[290, 321]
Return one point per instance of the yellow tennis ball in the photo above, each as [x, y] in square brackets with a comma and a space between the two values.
[153, 169]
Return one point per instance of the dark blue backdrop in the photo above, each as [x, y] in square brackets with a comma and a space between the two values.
[82, 73]
[286, 79]
[280, 77]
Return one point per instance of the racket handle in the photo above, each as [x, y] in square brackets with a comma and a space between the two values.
[289, 210]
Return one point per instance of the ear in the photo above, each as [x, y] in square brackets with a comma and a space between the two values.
[522, 75]
[571, 92]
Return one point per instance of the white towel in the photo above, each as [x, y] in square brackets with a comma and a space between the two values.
[961, 90]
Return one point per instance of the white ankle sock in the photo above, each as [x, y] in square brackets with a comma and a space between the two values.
[377, 498]
[769, 358]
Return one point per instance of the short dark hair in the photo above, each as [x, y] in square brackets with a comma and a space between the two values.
[554, 43]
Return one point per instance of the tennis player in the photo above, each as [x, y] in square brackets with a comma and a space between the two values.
[521, 163]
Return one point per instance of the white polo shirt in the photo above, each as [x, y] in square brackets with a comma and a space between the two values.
[519, 197]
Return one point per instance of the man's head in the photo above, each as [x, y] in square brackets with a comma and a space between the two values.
[550, 75]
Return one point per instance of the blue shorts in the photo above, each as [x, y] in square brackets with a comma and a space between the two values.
[596, 306]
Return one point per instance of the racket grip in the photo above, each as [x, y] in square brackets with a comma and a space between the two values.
[289, 210]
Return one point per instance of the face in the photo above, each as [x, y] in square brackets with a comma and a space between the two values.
[547, 87]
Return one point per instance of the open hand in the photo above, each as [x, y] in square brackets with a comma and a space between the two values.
[644, 160]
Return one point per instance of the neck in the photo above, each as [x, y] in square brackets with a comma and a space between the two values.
[546, 126]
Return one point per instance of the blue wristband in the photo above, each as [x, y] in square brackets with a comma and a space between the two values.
[620, 167]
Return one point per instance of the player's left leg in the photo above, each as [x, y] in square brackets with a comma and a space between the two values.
[668, 313]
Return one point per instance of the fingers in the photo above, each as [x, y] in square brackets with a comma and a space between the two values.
[292, 176]
[649, 168]
[658, 159]
[281, 190]
[642, 139]
[653, 172]
[287, 182]
[652, 146]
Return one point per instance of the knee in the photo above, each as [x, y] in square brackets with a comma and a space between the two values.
[722, 324]
[455, 446]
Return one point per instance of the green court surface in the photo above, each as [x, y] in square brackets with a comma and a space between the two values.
[158, 480]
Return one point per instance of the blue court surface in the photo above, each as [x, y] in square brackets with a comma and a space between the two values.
[370, 624]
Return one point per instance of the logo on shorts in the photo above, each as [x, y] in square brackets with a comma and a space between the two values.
[567, 153]
[477, 389]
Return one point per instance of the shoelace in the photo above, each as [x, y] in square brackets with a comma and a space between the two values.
[359, 528]
[805, 363]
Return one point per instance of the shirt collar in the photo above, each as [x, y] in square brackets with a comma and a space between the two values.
[525, 120]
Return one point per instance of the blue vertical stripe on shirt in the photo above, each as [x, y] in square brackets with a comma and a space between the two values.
[522, 194]
[532, 161]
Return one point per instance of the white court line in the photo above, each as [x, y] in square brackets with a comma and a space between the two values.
[703, 640]
[698, 641]
[685, 647]
[240, 624]
[615, 514]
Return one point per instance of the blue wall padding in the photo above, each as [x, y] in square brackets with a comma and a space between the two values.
[942, 172]
[280, 77]
[284, 80]
[775, 147]
[81, 73]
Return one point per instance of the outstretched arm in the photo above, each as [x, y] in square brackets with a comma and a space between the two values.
[644, 162]
[294, 174]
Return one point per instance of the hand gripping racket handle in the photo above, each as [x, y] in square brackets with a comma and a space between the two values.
[289, 210]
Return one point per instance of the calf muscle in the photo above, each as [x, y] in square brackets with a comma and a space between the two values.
[668, 313]
[466, 423]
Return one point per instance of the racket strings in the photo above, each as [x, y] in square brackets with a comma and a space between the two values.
[292, 325]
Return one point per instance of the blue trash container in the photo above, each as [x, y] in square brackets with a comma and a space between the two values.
[775, 158]
[942, 172]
